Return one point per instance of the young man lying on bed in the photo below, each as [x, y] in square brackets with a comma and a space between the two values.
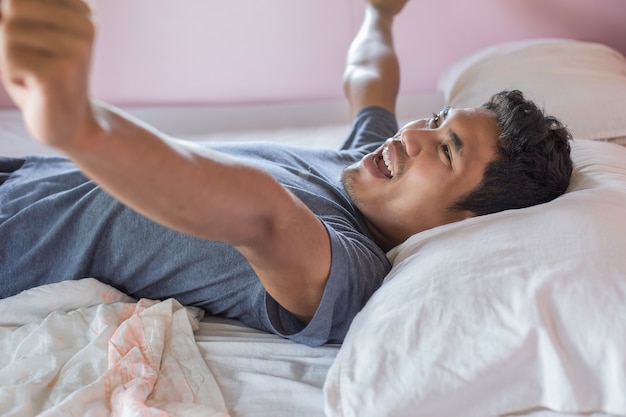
[284, 239]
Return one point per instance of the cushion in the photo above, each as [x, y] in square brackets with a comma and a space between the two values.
[581, 83]
[515, 311]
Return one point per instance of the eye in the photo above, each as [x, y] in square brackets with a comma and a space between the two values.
[446, 150]
[434, 121]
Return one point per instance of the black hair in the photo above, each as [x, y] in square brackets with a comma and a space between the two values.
[532, 163]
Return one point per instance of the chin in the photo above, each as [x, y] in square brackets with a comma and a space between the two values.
[348, 177]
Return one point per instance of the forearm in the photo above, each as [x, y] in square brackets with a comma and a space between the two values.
[373, 47]
[196, 191]
[372, 74]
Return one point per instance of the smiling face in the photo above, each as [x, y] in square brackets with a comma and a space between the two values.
[410, 182]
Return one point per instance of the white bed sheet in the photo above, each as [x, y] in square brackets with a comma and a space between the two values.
[94, 350]
[81, 348]
[261, 374]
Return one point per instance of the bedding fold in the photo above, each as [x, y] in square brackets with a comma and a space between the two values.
[74, 356]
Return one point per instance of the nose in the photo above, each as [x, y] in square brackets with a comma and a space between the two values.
[415, 139]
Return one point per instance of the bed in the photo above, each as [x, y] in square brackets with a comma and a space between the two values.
[520, 313]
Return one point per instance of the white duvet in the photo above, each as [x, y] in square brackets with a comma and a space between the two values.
[96, 351]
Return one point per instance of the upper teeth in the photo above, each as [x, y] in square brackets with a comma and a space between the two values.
[387, 161]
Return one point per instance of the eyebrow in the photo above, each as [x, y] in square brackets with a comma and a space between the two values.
[456, 141]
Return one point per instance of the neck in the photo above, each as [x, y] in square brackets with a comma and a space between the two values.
[383, 240]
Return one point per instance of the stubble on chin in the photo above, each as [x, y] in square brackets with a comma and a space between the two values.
[348, 177]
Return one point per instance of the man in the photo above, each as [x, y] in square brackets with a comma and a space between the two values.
[284, 239]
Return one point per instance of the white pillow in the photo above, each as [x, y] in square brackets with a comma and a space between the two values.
[581, 83]
[500, 314]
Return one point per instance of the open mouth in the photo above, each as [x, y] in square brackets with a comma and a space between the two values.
[383, 163]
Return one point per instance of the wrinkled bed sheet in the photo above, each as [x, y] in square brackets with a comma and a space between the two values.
[96, 351]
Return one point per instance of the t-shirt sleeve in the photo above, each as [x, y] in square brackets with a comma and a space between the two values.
[358, 268]
[358, 265]
[372, 125]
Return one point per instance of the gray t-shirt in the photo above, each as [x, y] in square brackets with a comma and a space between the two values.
[55, 225]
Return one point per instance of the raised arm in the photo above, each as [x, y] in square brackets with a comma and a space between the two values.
[372, 74]
[45, 58]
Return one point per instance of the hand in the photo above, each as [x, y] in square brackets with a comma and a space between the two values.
[388, 7]
[45, 58]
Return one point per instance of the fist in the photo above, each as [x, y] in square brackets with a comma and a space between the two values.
[45, 58]
[390, 7]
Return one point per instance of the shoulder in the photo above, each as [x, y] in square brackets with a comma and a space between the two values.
[358, 268]
[371, 124]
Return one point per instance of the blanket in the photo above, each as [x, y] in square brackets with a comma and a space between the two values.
[97, 352]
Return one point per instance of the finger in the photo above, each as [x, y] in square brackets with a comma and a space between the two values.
[46, 41]
[30, 44]
[61, 14]
[49, 28]
[77, 6]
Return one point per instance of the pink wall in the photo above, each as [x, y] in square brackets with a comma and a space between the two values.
[250, 51]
